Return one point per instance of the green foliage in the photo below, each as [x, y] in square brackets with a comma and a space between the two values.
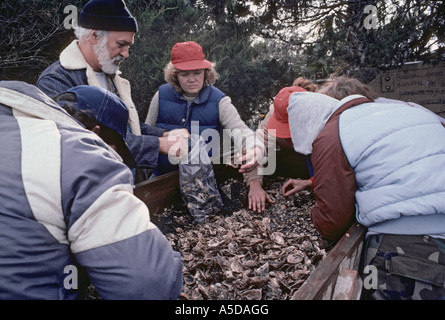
[258, 46]
[404, 31]
[250, 80]
[31, 36]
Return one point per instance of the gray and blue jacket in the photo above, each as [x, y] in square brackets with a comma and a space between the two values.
[68, 215]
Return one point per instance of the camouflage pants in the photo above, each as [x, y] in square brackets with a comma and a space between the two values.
[409, 267]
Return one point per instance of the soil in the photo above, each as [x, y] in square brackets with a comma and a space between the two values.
[242, 255]
[239, 254]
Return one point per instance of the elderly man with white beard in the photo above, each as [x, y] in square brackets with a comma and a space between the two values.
[106, 31]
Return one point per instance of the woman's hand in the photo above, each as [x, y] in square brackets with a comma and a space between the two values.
[258, 197]
[251, 159]
[295, 185]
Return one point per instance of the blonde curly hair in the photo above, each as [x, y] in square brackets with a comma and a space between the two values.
[171, 76]
[306, 84]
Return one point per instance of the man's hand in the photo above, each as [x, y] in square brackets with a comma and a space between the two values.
[174, 144]
[177, 132]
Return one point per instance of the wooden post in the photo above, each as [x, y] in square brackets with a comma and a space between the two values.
[345, 255]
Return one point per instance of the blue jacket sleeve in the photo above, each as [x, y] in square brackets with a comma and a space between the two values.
[143, 267]
[151, 131]
[144, 149]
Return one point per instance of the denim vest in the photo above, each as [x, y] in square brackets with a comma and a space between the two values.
[175, 113]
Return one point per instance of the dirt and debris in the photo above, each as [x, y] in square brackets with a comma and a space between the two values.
[239, 254]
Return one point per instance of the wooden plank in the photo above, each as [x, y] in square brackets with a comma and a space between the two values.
[346, 254]
[163, 191]
[348, 285]
[160, 192]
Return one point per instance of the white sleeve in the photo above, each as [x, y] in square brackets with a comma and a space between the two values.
[153, 111]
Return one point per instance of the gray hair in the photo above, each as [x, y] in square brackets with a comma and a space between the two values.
[83, 33]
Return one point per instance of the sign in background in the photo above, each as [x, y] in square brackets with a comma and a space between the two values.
[416, 82]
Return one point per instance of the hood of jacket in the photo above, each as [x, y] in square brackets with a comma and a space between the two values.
[27, 100]
[308, 114]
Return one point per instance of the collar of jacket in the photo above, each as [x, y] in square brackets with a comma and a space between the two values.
[72, 58]
[203, 96]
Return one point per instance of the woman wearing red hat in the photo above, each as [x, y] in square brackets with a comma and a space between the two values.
[189, 98]
[289, 163]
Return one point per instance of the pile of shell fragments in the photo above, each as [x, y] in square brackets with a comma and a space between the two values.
[240, 254]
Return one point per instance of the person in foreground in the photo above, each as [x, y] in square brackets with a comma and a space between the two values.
[380, 164]
[190, 100]
[105, 33]
[68, 215]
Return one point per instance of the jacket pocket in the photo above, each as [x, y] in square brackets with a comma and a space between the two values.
[418, 269]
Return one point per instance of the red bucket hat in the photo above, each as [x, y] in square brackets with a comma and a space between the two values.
[279, 120]
[188, 56]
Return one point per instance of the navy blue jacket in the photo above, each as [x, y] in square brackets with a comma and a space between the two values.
[175, 112]
[144, 148]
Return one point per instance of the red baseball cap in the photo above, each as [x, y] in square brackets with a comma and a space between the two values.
[188, 56]
[279, 121]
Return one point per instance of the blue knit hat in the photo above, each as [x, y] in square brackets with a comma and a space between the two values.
[111, 15]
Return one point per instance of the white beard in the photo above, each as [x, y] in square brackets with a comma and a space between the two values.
[103, 56]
